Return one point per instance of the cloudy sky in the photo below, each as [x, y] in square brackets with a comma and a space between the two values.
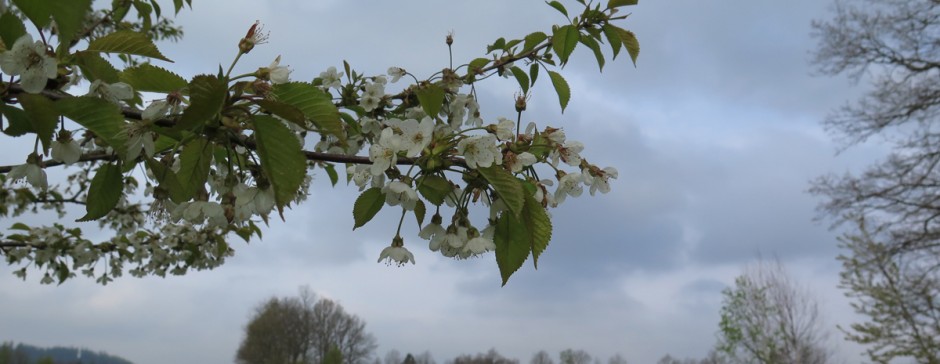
[716, 134]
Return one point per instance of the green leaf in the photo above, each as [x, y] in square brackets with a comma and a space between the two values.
[613, 37]
[511, 248]
[532, 40]
[533, 72]
[557, 5]
[314, 103]
[539, 226]
[431, 97]
[285, 111]
[630, 43]
[507, 187]
[168, 180]
[19, 123]
[37, 11]
[147, 77]
[69, 16]
[95, 67]
[195, 160]
[561, 88]
[367, 205]
[282, 159]
[11, 28]
[477, 64]
[42, 115]
[564, 41]
[206, 98]
[331, 171]
[420, 211]
[612, 4]
[101, 117]
[522, 78]
[434, 188]
[127, 42]
[104, 192]
[592, 44]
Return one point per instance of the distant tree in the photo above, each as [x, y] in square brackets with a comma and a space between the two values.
[892, 268]
[304, 330]
[490, 357]
[409, 359]
[570, 356]
[393, 357]
[617, 359]
[768, 319]
[668, 359]
[425, 358]
[334, 356]
[45, 360]
[542, 357]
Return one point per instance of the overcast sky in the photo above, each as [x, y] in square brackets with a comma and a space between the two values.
[716, 135]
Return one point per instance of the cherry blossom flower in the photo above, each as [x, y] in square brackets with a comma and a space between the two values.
[400, 193]
[396, 73]
[570, 153]
[504, 129]
[113, 92]
[31, 61]
[479, 245]
[568, 185]
[516, 162]
[480, 151]
[599, 179]
[396, 253]
[418, 135]
[276, 73]
[65, 149]
[372, 97]
[31, 172]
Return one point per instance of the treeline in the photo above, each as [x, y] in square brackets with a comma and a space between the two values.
[11, 353]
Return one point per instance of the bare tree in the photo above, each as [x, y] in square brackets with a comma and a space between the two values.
[541, 357]
[894, 241]
[570, 356]
[617, 359]
[393, 357]
[766, 318]
[425, 358]
[304, 330]
[490, 357]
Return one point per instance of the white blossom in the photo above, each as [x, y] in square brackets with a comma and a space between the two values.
[516, 162]
[599, 180]
[396, 73]
[480, 151]
[31, 61]
[568, 185]
[112, 92]
[32, 173]
[277, 73]
[396, 254]
[331, 79]
[400, 193]
[372, 97]
[504, 129]
[66, 151]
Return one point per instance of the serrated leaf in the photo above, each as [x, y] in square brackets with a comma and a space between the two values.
[282, 159]
[168, 180]
[434, 188]
[613, 37]
[630, 43]
[100, 116]
[127, 42]
[507, 187]
[147, 77]
[498, 44]
[612, 4]
[285, 111]
[539, 227]
[11, 28]
[206, 98]
[331, 172]
[522, 78]
[564, 41]
[420, 211]
[18, 121]
[42, 116]
[104, 192]
[511, 248]
[316, 105]
[37, 11]
[532, 40]
[367, 205]
[431, 97]
[558, 6]
[561, 88]
[69, 18]
[596, 48]
[195, 160]
[95, 67]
